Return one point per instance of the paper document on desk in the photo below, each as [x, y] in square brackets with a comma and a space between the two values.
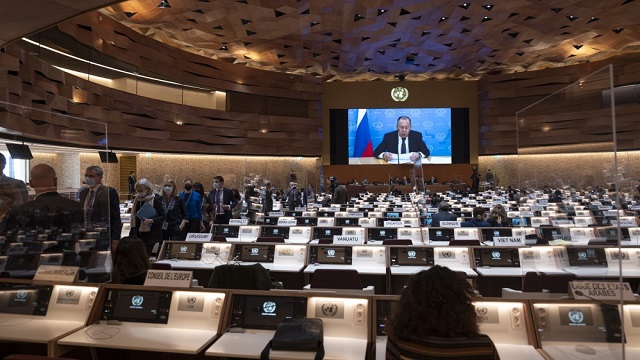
[400, 159]
[147, 211]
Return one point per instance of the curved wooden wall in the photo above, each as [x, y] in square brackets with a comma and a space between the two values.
[583, 120]
[288, 106]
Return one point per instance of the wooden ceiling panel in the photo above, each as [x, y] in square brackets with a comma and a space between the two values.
[379, 39]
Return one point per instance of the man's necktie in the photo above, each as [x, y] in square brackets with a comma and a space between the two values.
[219, 202]
[89, 209]
[403, 148]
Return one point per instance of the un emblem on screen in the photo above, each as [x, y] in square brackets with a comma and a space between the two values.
[191, 299]
[21, 294]
[331, 252]
[495, 255]
[269, 307]
[576, 316]
[183, 249]
[137, 300]
[255, 251]
[411, 254]
[69, 293]
[582, 255]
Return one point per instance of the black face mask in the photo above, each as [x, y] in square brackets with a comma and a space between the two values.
[188, 187]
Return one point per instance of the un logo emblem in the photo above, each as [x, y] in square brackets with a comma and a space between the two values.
[255, 251]
[137, 300]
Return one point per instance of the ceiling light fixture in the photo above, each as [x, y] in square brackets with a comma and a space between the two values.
[164, 4]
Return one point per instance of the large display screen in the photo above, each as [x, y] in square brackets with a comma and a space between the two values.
[362, 135]
[137, 306]
[266, 312]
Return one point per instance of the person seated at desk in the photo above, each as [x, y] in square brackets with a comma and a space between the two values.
[498, 216]
[403, 141]
[479, 218]
[130, 262]
[432, 181]
[435, 319]
[443, 214]
[354, 182]
[405, 181]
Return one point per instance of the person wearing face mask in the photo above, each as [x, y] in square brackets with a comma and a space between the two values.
[222, 201]
[193, 204]
[176, 212]
[100, 204]
[147, 224]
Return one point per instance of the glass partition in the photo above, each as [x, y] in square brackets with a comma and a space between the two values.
[574, 185]
[50, 216]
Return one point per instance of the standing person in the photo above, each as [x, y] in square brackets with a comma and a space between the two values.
[49, 209]
[193, 204]
[294, 197]
[101, 204]
[402, 141]
[309, 195]
[147, 225]
[132, 184]
[340, 196]
[205, 206]
[222, 201]
[491, 180]
[236, 210]
[475, 180]
[176, 212]
[268, 199]
[443, 214]
[17, 186]
[436, 319]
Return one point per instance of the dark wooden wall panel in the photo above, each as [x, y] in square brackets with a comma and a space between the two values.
[577, 119]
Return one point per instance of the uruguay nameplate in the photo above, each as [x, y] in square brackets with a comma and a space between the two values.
[393, 223]
[56, 273]
[239, 222]
[450, 224]
[601, 290]
[507, 241]
[201, 237]
[347, 240]
[169, 278]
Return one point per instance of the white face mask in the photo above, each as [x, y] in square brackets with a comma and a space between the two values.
[168, 189]
[216, 185]
[90, 181]
[141, 194]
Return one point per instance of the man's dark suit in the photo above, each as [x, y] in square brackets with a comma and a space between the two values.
[390, 144]
[227, 199]
[106, 209]
[442, 216]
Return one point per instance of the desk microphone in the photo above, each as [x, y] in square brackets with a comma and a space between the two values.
[611, 317]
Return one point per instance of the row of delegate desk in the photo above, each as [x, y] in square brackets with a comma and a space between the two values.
[84, 320]
[387, 265]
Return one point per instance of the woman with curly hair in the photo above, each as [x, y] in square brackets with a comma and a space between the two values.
[498, 216]
[435, 319]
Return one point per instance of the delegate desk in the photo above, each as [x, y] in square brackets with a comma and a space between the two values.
[507, 323]
[151, 319]
[405, 261]
[369, 260]
[601, 262]
[43, 313]
[255, 316]
[199, 257]
[586, 330]
[284, 261]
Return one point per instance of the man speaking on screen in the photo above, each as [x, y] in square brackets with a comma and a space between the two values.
[402, 145]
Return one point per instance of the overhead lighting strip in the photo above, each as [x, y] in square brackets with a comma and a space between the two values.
[114, 69]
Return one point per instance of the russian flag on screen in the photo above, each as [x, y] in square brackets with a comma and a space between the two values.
[363, 146]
